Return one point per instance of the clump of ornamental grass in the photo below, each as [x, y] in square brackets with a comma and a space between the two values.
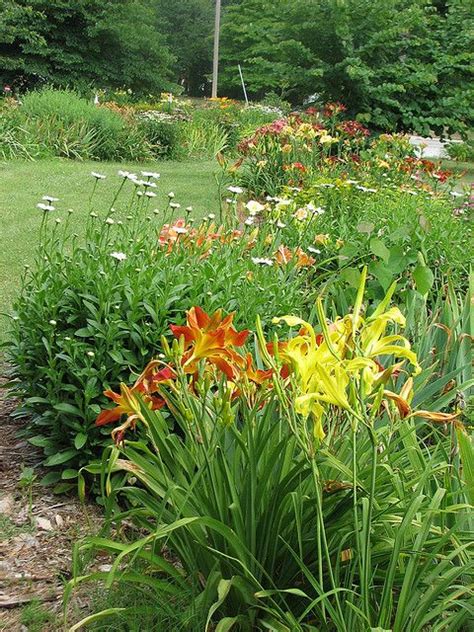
[294, 488]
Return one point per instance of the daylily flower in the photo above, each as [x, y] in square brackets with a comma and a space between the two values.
[210, 338]
[127, 400]
[127, 404]
[347, 350]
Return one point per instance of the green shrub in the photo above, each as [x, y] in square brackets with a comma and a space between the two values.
[463, 152]
[165, 135]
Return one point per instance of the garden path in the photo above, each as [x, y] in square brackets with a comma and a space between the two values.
[35, 542]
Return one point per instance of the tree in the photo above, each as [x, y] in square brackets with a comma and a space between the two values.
[84, 41]
[259, 35]
[187, 27]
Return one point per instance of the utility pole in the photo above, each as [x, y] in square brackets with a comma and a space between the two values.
[215, 61]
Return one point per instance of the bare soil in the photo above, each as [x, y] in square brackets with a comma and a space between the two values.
[35, 541]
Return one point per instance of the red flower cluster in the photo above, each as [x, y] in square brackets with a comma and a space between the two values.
[354, 128]
[202, 238]
[209, 340]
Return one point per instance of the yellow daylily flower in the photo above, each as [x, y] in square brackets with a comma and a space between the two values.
[323, 365]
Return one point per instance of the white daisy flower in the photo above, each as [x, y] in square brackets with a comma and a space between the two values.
[150, 194]
[150, 174]
[99, 176]
[120, 256]
[109, 221]
[260, 261]
[234, 189]
[171, 195]
[53, 322]
[45, 207]
[50, 198]
[175, 205]
[315, 251]
[280, 224]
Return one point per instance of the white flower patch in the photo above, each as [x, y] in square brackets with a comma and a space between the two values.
[120, 256]
[260, 261]
[254, 207]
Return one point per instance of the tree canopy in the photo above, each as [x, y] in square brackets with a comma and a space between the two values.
[396, 64]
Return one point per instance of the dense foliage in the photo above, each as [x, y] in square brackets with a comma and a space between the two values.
[281, 490]
[91, 42]
[93, 309]
[398, 65]
[51, 122]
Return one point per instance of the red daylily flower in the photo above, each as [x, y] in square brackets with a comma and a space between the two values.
[210, 338]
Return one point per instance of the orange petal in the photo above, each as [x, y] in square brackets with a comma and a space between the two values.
[108, 416]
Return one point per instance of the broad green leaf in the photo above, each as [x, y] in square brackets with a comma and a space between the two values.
[424, 279]
[60, 457]
[63, 407]
[380, 249]
[80, 440]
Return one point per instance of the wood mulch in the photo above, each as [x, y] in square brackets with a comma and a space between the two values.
[35, 545]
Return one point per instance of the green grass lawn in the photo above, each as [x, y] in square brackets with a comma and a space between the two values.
[24, 183]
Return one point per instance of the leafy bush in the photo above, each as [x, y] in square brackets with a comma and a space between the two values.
[461, 151]
[165, 135]
[92, 310]
[304, 492]
[398, 65]
[405, 229]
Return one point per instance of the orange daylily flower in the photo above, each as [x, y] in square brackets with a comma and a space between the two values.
[127, 400]
[210, 338]
[127, 404]
[284, 255]
[258, 376]
[304, 260]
